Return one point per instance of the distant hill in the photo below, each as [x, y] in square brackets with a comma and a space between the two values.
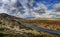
[9, 16]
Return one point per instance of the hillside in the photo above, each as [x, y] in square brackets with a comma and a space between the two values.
[10, 26]
[48, 24]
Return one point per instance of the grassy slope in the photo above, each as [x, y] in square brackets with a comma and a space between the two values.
[48, 24]
[11, 26]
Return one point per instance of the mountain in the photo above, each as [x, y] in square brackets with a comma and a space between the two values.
[8, 16]
[11, 26]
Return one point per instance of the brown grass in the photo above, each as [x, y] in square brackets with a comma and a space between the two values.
[48, 24]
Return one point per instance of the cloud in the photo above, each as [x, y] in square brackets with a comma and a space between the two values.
[25, 9]
[55, 13]
[41, 9]
[57, 7]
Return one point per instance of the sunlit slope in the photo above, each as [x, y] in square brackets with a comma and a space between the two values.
[11, 25]
[49, 24]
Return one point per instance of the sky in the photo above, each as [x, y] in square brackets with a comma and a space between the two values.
[48, 3]
[31, 8]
